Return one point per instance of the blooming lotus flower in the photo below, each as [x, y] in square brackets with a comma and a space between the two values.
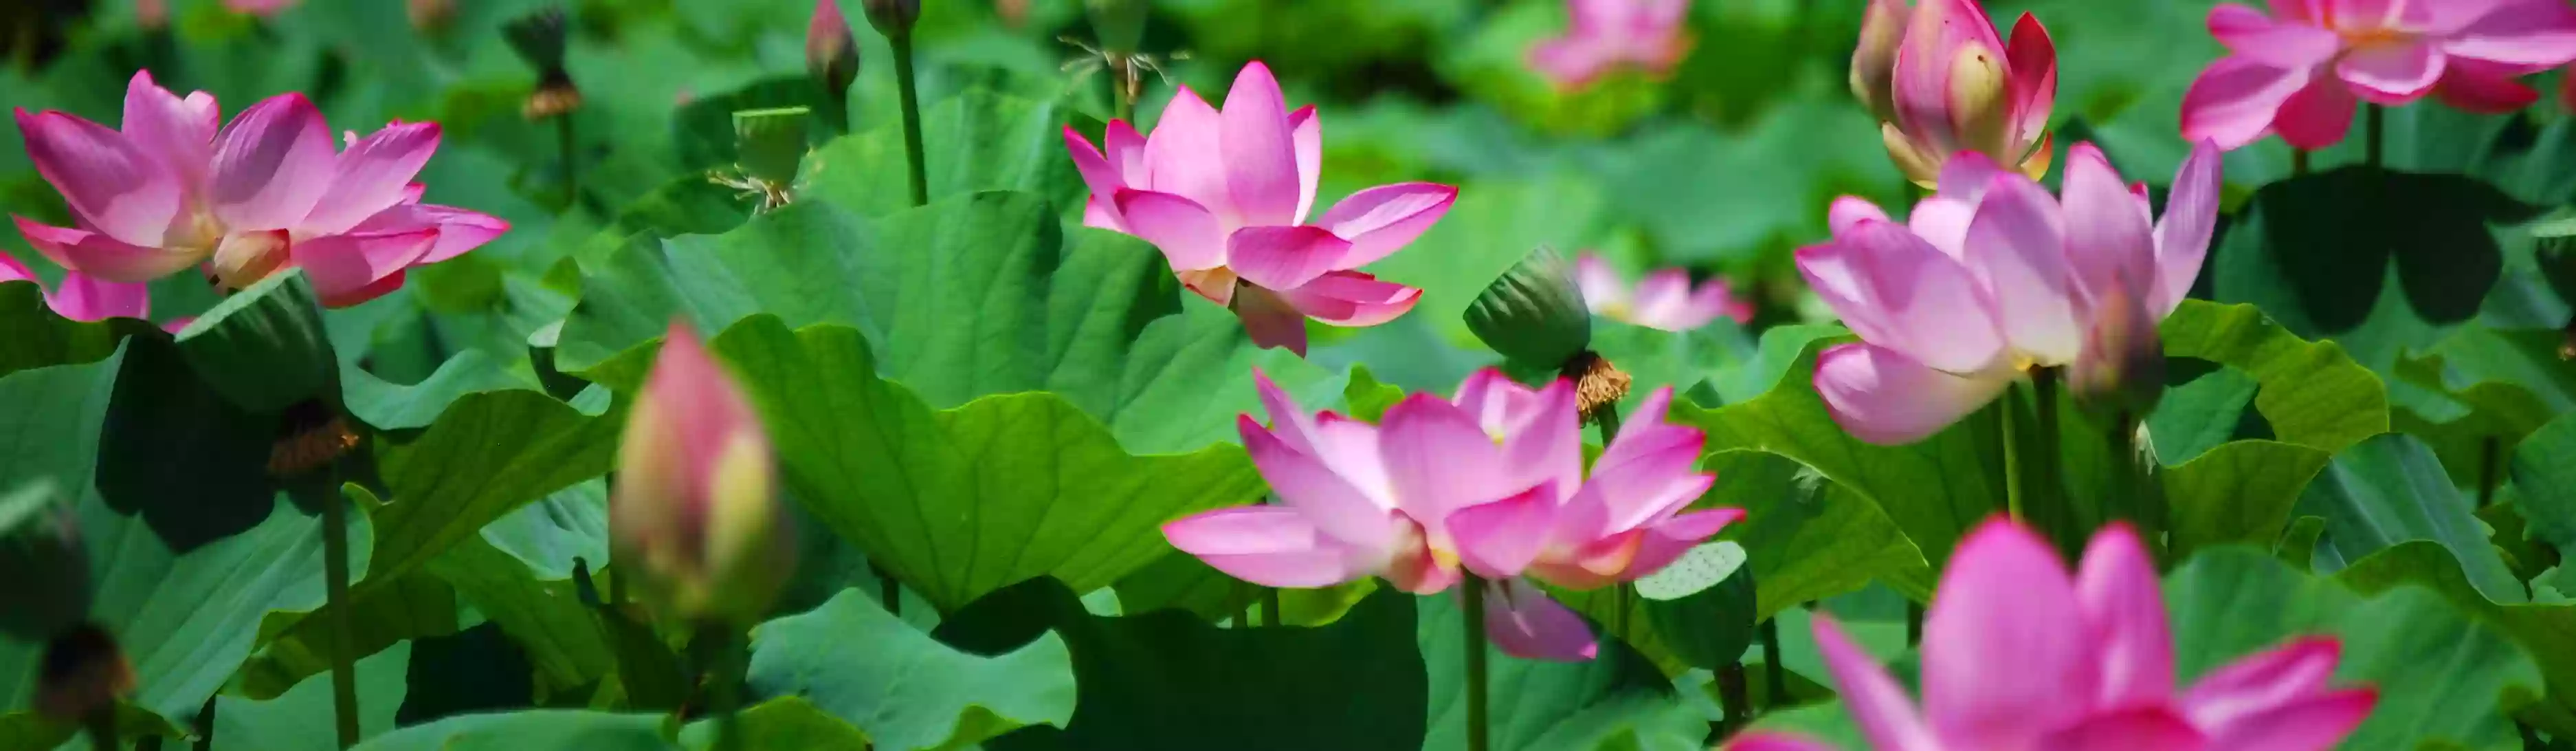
[82, 298]
[695, 509]
[2300, 71]
[1610, 34]
[1992, 276]
[2018, 655]
[1225, 195]
[1491, 483]
[1663, 300]
[265, 193]
[1942, 82]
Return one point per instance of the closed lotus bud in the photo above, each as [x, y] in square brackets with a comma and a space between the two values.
[892, 18]
[1534, 314]
[1120, 24]
[42, 559]
[1873, 65]
[694, 514]
[831, 52]
[2122, 368]
[769, 143]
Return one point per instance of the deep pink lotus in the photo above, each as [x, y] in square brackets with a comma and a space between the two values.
[265, 193]
[2301, 70]
[1491, 482]
[1608, 35]
[1664, 299]
[1990, 277]
[82, 298]
[1943, 82]
[2021, 655]
[1225, 196]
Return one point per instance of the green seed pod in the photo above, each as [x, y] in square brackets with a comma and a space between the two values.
[1534, 314]
[769, 143]
[42, 558]
[1702, 605]
[893, 18]
[265, 348]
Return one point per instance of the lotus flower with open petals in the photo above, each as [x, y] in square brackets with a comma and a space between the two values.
[1606, 35]
[81, 297]
[264, 193]
[1942, 82]
[1662, 300]
[2301, 70]
[1225, 195]
[2021, 655]
[1992, 276]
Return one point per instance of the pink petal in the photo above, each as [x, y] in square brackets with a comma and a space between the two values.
[1099, 176]
[2392, 74]
[2124, 608]
[1351, 298]
[1770, 742]
[689, 416]
[1336, 509]
[2108, 240]
[1288, 422]
[2260, 683]
[2000, 664]
[2483, 87]
[1284, 257]
[1498, 539]
[1601, 285]
[2032, 59]
[113, 184]
[2253, 36]
[2534, 35]
[1498, 402]
[1939, 32]
[1350, 448]
[2317, 116]
[13, 271]
[1943, 218]
[1879, 706]
[1714, 299]
[1306, 130]
[343, 267]
[178, 132]
[1546, 443]
[84, 298]
[1660, 297]
[1126, 152]
[1883, 397]
[1382, 220]
[2311, 723]
[1190, 237]
[1270, 319]
[2149, 728]
[2017, 247]
[2183, 235]
[1439, 459]
[1525, 623]
[372, 176]
[2236, 100]
[1850, 211]
[459, 230]
[1666, 541]
[1183, 156]
[101, 256]
[1260, 152]
[1271, 546]
[272, 165]
[1899, 292]
[1571, 62]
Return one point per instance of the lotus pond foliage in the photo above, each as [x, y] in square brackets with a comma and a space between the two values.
[1471, 375]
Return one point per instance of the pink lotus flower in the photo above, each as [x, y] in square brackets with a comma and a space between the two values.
[1225, 196]
[1491, 483]
[82, 298]
[1606, 35]
[1663, 300]
[2020, 655]
[259, 7]
[2301, 70]
[264, 194]
[695, 509]
[1992, 276]
[1942, 82]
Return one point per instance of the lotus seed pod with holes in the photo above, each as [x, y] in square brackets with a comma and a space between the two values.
[1534, 313]
[1702, 605]
[769, 143]
[42, 559]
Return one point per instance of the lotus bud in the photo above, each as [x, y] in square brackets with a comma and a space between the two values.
[1120, 24]
[41, 555]
[2122, 368]
[831, 52]
[694, 515]
[1873, 65]
[1534, 313]
[893, 18]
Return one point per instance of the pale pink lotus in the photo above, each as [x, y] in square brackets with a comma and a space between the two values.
[1992, 276]
[2302, 70]
[1225, 196]
[1490, 483]
[1609, 35]
[1663, 300]
[2021, 655]
[695, 510]
[265, 193]
[1942, 81]
[82, 298]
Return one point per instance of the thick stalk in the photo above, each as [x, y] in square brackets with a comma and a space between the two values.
[1122, 88]
[1775, 677]
[206, 726]
[1624, 594]
[1270, 606]
[1732, 696]
[2374, 124]
[911, 100]
[2056, 520]
[335, 580]
[2298, 162]
[721, 662]
[571, 160]
[2012, 460]
[1478, 732]
[1913, 623]
[102, 729]
[2490, 456]
[889, 591]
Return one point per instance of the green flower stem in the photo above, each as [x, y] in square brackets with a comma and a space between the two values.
[2298, 162]
[2490, 459]
[722, 658]
[1478, 732]
[2012, 459]
[1775, 677]
[1624, 594]
[1913, 623]
[1732, 697]
[2056, 520]
[2373, 122]
[889, 591]
[571, 161]
[1122, 97]
[335, 578]
[102, 729]
[911, 98]
[1270, 615]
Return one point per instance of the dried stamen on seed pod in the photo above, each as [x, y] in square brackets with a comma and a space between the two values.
[1598, 385]
[310, 436]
